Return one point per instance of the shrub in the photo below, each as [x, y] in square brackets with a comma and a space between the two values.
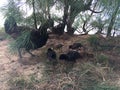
[102, 59]
[3, 35]
[94, 41]
[105, 87]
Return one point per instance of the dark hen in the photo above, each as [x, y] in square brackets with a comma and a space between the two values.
[59, 29]
[70, 59]
[63, 57]
[58, 47]
[71, 56]
[75, 46]
[51, 55]
[32, 40]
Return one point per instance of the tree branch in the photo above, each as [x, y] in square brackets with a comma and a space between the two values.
[95, 11]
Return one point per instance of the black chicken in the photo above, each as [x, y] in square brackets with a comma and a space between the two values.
[58, 47]
[71, 56]
[59, 29]
[63, 57]
[75, 46]
[70, 59]
[32, 40]
[51, 55]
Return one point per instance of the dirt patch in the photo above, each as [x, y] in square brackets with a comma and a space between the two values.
[12, 66]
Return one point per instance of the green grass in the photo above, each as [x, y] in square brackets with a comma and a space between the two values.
[105, 87]
[86, 76]
[102, 59]
[21, 84]
[94, 41]
[3, 35]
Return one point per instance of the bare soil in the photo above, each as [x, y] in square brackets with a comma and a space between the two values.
[11, 66]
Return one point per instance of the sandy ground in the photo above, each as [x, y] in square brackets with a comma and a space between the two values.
[10, 66]
[5, 65]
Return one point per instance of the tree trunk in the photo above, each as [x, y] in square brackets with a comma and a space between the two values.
[73, 12]
[65, 16]
[70, 29]
[112, 21]
[34, 15]
[70, 20]
[87, 19]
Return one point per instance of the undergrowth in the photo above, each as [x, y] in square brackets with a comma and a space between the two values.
[3, 35]
[86, 76]
[67, 76]
[94, 41]
[22, 42]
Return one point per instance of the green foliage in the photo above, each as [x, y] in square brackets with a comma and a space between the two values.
[9, 23]
[105, 87]
[102, 87]
[94, 41]
[102, 59]
[21, 84]
[43, 10]
[30, 22]
[12, 48]
[12, 9]
[3, 35]
[22, 41]
[99, 24]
